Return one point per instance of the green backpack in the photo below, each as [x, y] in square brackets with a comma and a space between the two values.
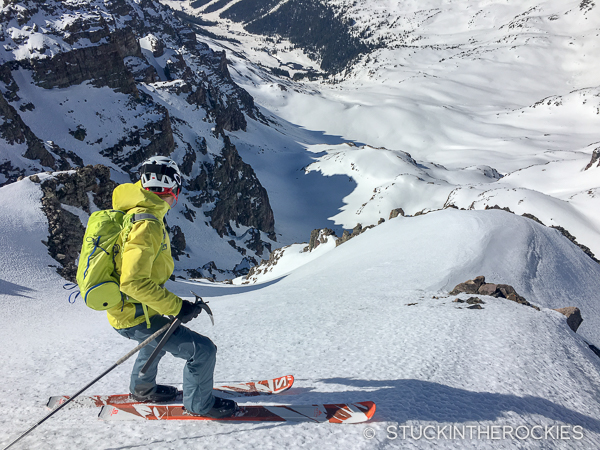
[97, 277]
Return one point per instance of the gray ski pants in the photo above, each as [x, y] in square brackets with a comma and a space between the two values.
[198, 350]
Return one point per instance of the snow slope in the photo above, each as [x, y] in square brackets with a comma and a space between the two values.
[368, 320]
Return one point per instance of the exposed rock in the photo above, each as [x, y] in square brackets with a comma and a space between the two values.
[99, 46]
[206, 271]
[159, 136]
[475, 307]
[79, 133]
[11, 173]
[239, 195]
[595, 349]
[188, 213]
[468, 287]
[319, 236]
[15, 131]
[572, 238]
[10, 85]
[158, 47]
[65, 228]
[573, 315]
[532, 217]
[103, 65]
[479, 286]
[506, 208]
[255, 243]
[244, 267]
[594, 160]
[230, 118]
[188, 161]
[346, 235]
[266, 265]
[488, 289]
[178, 243]
[141, 71]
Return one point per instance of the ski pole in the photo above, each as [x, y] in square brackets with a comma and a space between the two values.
[120, 361]
[171, 330]
[172, 327]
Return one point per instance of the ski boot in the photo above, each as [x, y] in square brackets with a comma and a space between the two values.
[221, 408]
[161, 395]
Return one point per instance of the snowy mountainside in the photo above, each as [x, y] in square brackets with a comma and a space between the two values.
[512, 86]
[421, 357]
[111, 83]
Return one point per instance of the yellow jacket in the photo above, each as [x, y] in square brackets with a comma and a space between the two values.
[144, 262]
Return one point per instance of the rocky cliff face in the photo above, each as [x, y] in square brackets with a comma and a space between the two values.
[68, 196]
[314, 25]
[114, 82]
[237, 193]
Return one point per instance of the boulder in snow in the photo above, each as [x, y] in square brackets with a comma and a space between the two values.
[479, 286]
[573, 315]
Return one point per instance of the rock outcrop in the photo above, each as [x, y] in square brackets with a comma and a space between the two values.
[347, 235]
[594, 161]
[178, 243]
[318, 237]
[573, 315]
[396, 212]
[14, 131]
[236, 192]
[102, 64]
[479, 286]
[73, 48]
[72, 189]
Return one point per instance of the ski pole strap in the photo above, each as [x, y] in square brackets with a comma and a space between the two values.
[73, 295]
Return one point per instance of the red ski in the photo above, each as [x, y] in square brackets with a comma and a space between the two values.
[335, 413]
[250, 389]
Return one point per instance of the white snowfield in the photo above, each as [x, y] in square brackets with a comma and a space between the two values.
[368, 320]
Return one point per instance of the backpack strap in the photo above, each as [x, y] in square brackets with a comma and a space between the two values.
[143, 216]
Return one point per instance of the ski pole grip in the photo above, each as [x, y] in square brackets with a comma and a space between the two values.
[143, 344]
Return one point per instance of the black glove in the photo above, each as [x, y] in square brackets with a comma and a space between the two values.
[188, 311]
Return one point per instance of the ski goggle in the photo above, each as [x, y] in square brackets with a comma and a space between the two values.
[166, 191]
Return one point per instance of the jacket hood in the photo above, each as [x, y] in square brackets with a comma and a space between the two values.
[128, 196]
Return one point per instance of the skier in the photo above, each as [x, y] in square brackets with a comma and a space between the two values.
[144, 264]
